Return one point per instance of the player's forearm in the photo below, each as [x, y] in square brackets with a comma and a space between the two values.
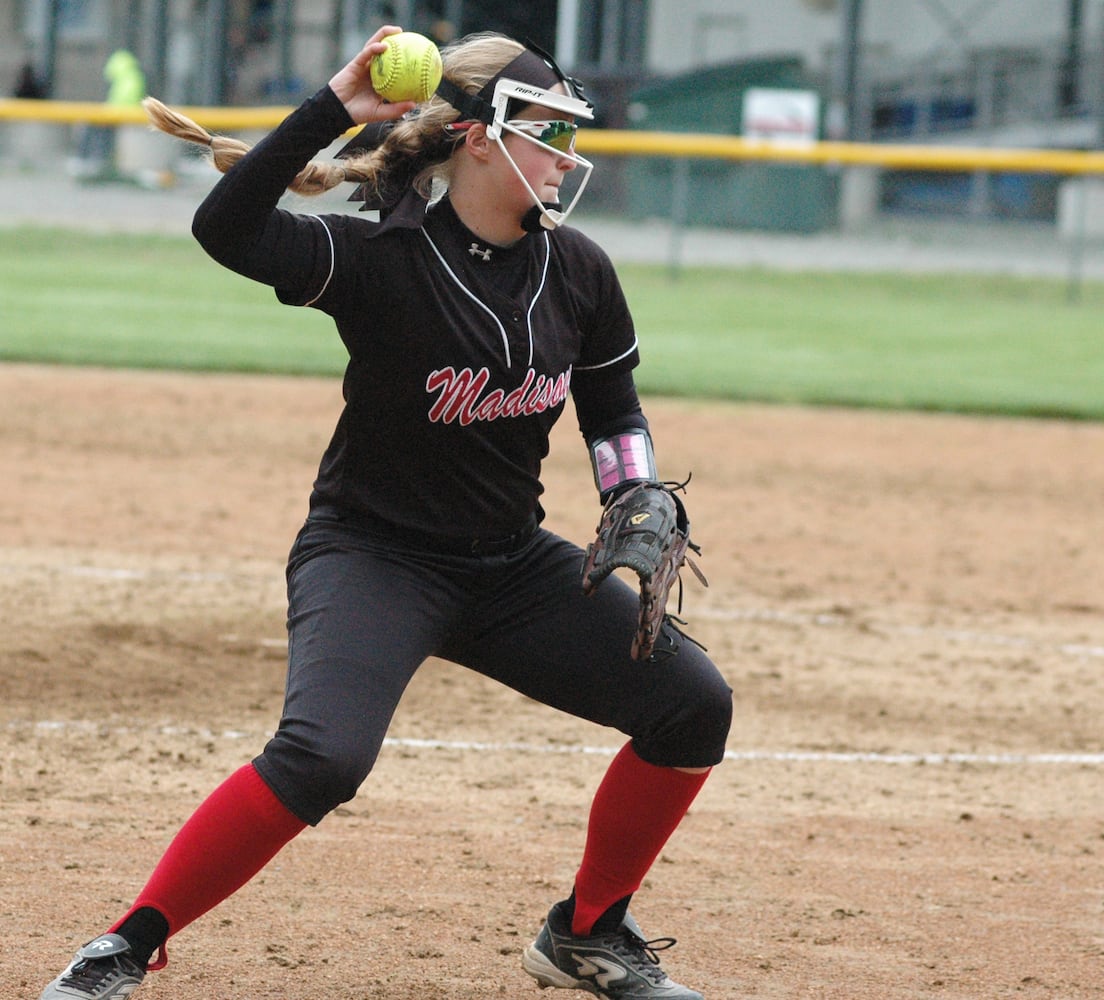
[616, 432]
[239, 217]
[605, 402]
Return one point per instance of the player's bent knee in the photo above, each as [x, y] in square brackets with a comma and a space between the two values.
[693, 730]
[313, 781]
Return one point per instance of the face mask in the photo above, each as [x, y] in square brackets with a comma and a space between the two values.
[490, 107]
[557, 137]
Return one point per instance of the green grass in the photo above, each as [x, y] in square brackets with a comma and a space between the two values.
[957, 342]
[148, 302]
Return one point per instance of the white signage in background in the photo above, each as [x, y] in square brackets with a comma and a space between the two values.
[777, 115]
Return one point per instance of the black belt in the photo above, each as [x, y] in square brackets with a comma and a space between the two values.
[444, 544]
[474, 546]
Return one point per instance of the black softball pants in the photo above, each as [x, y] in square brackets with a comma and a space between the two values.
[365, 611]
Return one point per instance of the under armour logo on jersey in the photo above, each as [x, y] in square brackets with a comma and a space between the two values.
[475, 251]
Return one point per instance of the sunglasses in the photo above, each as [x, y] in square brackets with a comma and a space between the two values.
[557, 134]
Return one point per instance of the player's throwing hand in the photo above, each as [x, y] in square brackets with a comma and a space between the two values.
[353, 84]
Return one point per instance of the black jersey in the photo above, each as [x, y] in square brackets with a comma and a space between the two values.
[461, 354]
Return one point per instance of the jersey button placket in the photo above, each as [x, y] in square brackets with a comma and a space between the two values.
[517, 333]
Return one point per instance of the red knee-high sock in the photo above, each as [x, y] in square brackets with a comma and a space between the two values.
[233, 834]
[636, 809]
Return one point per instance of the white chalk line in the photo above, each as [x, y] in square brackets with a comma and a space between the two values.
[114, 573]
[564, 749]
[775, 756]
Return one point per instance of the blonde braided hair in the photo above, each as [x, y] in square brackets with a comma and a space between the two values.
[418, 146]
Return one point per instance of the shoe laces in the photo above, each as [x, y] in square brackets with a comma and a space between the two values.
[642, 954]
[91, 974]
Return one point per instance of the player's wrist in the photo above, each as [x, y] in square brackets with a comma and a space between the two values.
[622, 460]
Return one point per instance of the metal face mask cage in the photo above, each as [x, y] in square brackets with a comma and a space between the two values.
[507, 90]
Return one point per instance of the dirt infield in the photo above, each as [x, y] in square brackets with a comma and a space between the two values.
[909, 608]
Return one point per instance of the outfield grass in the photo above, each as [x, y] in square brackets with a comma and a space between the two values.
[958, 342]
[965, 343]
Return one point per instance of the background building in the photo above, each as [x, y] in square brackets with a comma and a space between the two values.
[1008, 72]
[986, 58]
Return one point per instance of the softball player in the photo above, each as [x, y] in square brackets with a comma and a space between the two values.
[467, 321]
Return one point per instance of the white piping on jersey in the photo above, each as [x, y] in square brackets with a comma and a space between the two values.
[333, 261]
[487, 309]
[452, 274]
[612, 361]
[540, 289]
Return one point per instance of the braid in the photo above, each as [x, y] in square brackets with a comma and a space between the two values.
[225, 151]
[415, 153]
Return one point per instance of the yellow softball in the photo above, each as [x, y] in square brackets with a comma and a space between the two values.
[409, 69]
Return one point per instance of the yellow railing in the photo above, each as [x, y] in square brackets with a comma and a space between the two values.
[692, 145]
[612, 142]
[93, 113]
